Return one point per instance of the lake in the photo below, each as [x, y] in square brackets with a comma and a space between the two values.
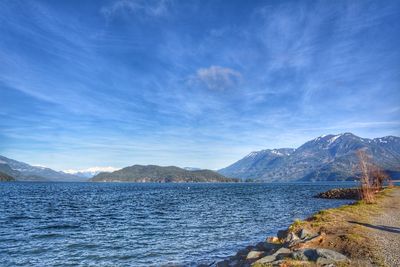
[128, 224]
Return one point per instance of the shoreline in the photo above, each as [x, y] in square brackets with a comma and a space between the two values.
[333, 236]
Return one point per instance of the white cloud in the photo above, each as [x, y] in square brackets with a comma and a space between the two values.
[216, 78]
[149, 8]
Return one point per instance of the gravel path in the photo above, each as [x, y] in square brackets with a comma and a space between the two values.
[385, 229]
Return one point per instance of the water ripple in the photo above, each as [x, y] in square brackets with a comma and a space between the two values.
[97, 224]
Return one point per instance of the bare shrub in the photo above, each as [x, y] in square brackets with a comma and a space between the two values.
[379, 177]
[366, 180]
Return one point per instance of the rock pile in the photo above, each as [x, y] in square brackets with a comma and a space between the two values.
[288, 245]
[340, 193]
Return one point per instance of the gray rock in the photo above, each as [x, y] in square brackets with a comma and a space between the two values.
[307, 254]
[331, 255]
[268, 247]
[242, 252]
[299, 256]
[304, 233]
[320, 255]
[267, 259]
[254, 254]
[278, 255]
[282, 234]
[249, 248]
[292, 239]
[224, 263]
[283, 250]
[282, 253]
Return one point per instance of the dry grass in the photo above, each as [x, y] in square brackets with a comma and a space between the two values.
[337, 232]
[288, 263]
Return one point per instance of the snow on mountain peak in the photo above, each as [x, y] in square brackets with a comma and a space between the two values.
[39, 166]
[276, 152]
[95, 169]
[334, 138]
[252, 154]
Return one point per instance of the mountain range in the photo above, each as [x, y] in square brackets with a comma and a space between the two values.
[153, 173]
[325, 158]
[24, 172]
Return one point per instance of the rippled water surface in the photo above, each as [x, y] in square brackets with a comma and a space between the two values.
[103, 224]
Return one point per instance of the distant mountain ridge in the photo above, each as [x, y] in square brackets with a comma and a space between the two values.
[24, 172]
[154, 173]
[329, 157]
[6, 178]
[89, 172]
[255, 163]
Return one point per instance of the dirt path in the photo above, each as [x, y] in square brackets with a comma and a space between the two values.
[368, 234]
[384, 229]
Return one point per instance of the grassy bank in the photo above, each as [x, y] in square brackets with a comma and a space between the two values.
[357, 234]
[343, 229]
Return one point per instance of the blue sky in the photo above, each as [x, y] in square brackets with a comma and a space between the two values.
[191, 83]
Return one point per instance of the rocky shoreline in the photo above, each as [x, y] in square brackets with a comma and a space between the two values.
[294, 246]
[340, 193]
[299, 246]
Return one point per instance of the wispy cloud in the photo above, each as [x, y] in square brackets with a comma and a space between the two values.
[154, 8]
[216, 78]
[173, 83]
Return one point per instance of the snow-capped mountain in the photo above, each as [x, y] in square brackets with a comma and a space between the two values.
[90, 172]
[25, 172]
[328, 157]
[254, 164]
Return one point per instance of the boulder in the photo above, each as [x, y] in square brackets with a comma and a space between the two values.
[304, 233]
[320, 255]
[282, 253]
[254, 254]
[331, 255]
[292, 239]
[307, 254]
[242, 252]
[278, 255]
[273, 239]
[304, 243]
[266, 259]
[268, 247]
[282, 234]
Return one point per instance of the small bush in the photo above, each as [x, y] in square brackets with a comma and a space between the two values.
[366, 180]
